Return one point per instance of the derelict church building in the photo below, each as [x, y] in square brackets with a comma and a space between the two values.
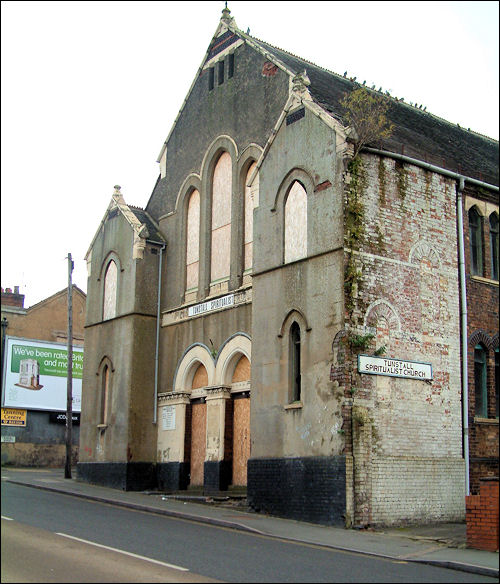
[283, 319]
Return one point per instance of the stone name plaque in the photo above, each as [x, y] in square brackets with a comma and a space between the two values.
[168, 418]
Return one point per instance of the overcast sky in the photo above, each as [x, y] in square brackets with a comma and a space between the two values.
[90, 91]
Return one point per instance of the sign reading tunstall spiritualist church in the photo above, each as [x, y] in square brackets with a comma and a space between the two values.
[394, 367]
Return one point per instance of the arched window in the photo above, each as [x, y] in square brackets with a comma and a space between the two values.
[104, 395]
[110, 285]
[200, 378]
[249, 207]
[476, 242]
[296, 223]
[193, 241]
[480, 385]
[295, 372]
[221, 219]
[494, 245]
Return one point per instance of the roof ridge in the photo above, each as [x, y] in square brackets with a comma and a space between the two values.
[392, 97]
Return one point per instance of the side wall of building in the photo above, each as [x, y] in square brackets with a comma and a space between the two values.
[404, 435]
[482, 317]
[118, 435]
[297, 443]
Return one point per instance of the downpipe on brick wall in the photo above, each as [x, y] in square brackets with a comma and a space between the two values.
[463, 289]
[158, 316]
[463, 327]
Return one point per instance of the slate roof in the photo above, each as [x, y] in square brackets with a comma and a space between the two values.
[416, 133]
[153, 229]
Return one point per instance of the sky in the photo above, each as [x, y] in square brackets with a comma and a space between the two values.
[90, 90]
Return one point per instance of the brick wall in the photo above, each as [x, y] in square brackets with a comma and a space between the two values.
[307, 489]
[407, 453]
[482, 325]
[482, 517]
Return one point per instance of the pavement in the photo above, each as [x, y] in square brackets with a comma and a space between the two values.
[442, 544]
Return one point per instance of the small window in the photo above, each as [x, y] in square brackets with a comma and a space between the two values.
[230, 66]
[211, 78]
[494, 245]
[104, 395]
[480, 386]
[220, 73]
[295, 372]
[476, 242]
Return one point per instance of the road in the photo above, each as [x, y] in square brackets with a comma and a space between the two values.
[50, 537]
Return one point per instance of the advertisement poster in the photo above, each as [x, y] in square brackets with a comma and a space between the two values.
[35, 375]
[12, 417]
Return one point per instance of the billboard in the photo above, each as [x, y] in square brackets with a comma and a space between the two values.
[35, 375]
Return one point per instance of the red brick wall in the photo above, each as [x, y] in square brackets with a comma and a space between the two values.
[482, 325]
[482, 517]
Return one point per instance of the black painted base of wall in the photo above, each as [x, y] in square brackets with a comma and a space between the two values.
[217, 476]
[306, 489]
[172, 476]
[128, 476]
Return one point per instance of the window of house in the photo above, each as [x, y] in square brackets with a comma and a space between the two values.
[230, 66]
[494, 245]
[295, 371]
[295, 223]
[476, 242]
[221, 218]
[104, 395]
[220, 76]
[211, 78]
[480, 385]
[110, 284]
[497, 383]
[193, 240]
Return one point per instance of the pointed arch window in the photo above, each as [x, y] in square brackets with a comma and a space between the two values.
[110, 287]
[295, 369]
[295, 223]
[480, 385]
[249, 207]
[476, 242]
[497, 382]
[221, 219]
[103, 414]
[494, 245]
[193, 241]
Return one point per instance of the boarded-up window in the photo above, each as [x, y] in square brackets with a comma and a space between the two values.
[249, 207]
[221, 218]
[200, 378]
[296, 223]
[193, 240]
[242, 370]
[110, 282]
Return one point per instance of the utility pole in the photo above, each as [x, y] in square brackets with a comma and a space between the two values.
[69, 400]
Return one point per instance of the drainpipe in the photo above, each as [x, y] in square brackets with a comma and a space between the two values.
[158, 315]
[463, 326]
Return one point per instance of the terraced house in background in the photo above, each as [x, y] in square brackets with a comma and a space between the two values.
[289, 312]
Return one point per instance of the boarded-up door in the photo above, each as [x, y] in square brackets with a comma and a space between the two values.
[241, 440]
[241, 425]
